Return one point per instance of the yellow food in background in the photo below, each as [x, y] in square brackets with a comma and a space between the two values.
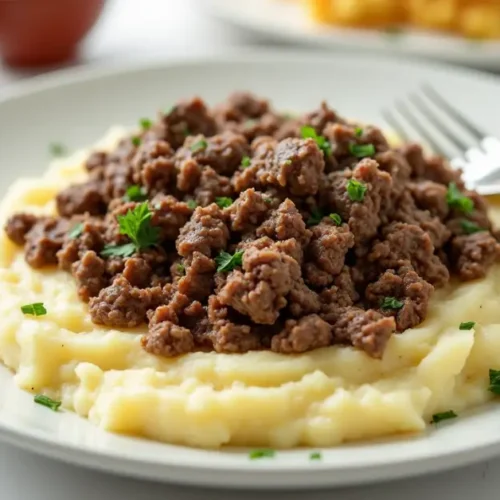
[320, 398]
[470, 18]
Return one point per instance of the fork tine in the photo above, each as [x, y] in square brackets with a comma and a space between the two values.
[457, 115]
[395, 125]
[438, 122]
[405, 111]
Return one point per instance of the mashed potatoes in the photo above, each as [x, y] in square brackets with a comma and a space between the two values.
[321, 398]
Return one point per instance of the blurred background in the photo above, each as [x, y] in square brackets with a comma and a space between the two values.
[37, 36]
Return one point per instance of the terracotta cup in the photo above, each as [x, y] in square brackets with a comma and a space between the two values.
[44, 32]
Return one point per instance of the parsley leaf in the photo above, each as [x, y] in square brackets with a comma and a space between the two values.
[315, 455]
[469, 227]
[494, 386]
[223, 201]
[136, 141]
[391, 303]
[315, 217]
[245, 162]
[469, 325]
[126, 250]
[136, 224]
[135, 193]
[199, 146]
[358, 131]
[227, 262]
[76, 231]
[336, 218]
[57, 149]
[36, 309]
[446, 415]
[145, 123]
[48, 402]
[356, 190]
[191, 204]
[456, 199]
[362, 150]
[181, 268]
[308, 132]
[257, 454]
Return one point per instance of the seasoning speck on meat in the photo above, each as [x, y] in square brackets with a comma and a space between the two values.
[239, 228]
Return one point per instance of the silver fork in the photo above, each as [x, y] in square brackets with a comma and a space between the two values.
[444, 129]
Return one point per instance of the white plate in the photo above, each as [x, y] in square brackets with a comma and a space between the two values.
[286, 20]
[77, 107]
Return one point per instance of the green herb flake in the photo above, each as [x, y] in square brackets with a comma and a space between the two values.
[199, 146]
[358, 131]
[36, 309]
[287, 162]
[136, 141]
[76, 231]
[494, 386]
[181, 269]
[362, 150]
[356, 190]
[457, 200]
[308, 132]
[57, 149]
[315, 217]
[223, 201]
[135, 193]
[446, 415]
[191, 204]
[245, 162]
[315, 455]
[391, 303]
[145, 123]
[48, 402]
[336, 218]
[185, 130]
[258, 454]
[468, 325]
[136, 224]
[126, 250]
[227, 262]
[469, 227]
[250, 123]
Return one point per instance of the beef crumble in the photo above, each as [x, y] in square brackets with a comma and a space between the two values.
[240, 228]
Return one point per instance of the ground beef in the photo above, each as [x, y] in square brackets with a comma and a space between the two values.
[18, 226]
[256, 235]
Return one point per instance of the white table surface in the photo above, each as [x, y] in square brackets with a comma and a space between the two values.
[139, 29]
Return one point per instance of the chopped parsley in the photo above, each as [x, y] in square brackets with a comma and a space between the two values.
[227, 262]
[136, 224]
[362, 150]
[136, 141]
[358, 131]
[48, 402]
[446, 415]
[191, 204]
[287, 162]
[456, 199]
[145, 123]
[494, 386]
[391, 303]
[469, 227]
[57, 149]
[223, 201]
[76, 231]
[315, 217]
[258, 454]
[356, 190]
[199, 146]
[468, 325]
[36, 309]
[336, 218]
[181, 269]
[245, 162]
[126, 250]
[315, 455]
[308, 132]
[135, 193]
